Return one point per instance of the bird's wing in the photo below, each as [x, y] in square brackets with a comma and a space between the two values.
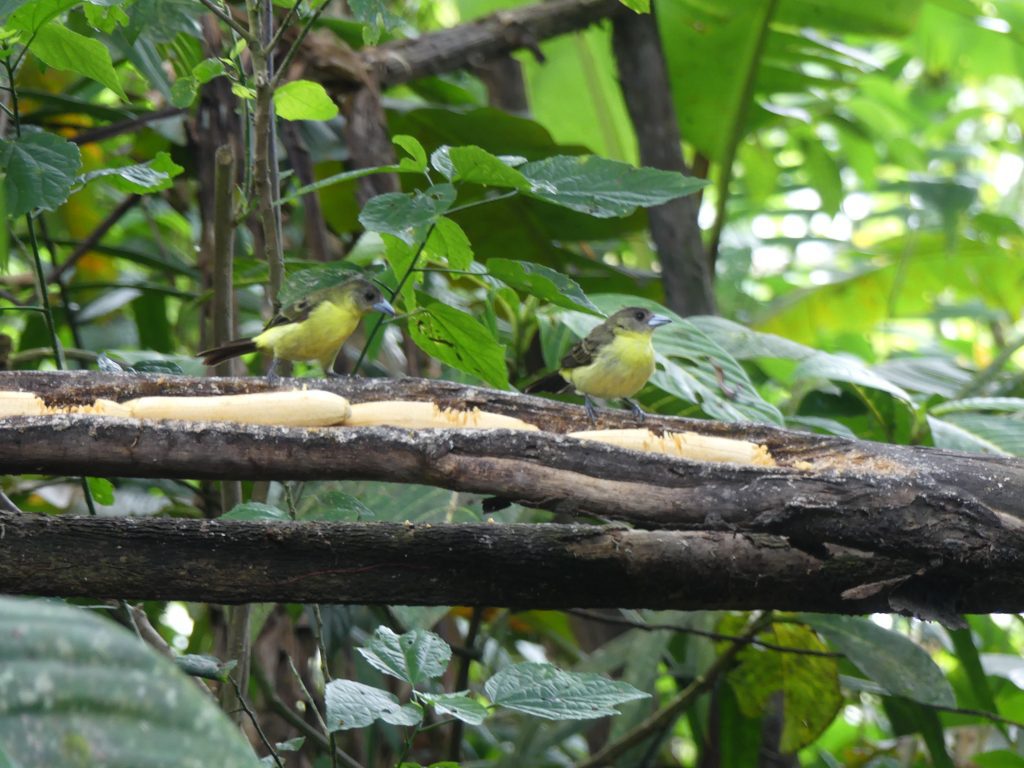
[295, 312]
[584, 351]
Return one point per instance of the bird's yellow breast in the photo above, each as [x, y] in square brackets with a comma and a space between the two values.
[620, 369]
[318, 337]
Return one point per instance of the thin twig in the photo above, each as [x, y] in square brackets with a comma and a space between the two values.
[318, 626]
[294, 719]
[623, 622]
[255, 723]
[105, 132]
[294, 49]
[230, 20]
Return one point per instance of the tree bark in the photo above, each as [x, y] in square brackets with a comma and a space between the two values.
[536, 566]
[930, 531]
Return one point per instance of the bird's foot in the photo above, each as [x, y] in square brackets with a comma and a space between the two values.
[272, 377]
[591, 411]
[636, 409]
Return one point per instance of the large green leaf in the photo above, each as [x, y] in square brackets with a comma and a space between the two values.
[413, 657]
[61, 48]
[460, 340]
[604, 188]
[544, 690]
[889, 658]
[39, 171]
[478, 166]
[540, 281]
[809, 684]
[354, 705]
[78, 690]
[407, 215]
[978, 432]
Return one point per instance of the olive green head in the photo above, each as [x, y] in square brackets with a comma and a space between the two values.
[635, 320]
[365, 295]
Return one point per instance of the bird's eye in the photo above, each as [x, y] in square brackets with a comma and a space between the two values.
[639, 314]
[370, 296]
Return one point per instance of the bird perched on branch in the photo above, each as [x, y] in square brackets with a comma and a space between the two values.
[615, 360]
[311, 328]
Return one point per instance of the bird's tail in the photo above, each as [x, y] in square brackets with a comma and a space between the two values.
[552, 382]
[235, 348]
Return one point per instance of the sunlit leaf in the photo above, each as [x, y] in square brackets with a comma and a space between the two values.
[61, 48]
[151, 176]
[304, 100]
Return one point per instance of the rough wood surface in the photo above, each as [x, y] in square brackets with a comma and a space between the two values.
[917, 526]
[537, 566]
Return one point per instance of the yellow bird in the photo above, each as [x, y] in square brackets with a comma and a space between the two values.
[312, 328]
[615, 360]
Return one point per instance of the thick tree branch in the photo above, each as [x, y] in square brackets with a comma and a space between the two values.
[539, 566]
[914, 528]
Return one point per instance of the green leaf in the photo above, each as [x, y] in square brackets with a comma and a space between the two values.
[418, 156]
[1000, 758]
[254, 510]
[376, 18]
[458, 705]
[890, 659]
[414, 657]
[604, 188]
[846, 368]
[809, 684]
[184, 91]
[544, 690]
[304, 100]
[999, 404]
[542, 282]
[477, 166]
[207, 69]
[334, 505]
[79, 690]
[102, 490]
[640, 6]
[59, 47]
[450, 241]
[458, 339]
[141, 178]
[354, 705]
[30, 16]
[407, 215]
[979, 433]
[40, 171]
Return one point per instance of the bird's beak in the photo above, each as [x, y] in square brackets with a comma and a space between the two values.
[384, 306]
[657, 320]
